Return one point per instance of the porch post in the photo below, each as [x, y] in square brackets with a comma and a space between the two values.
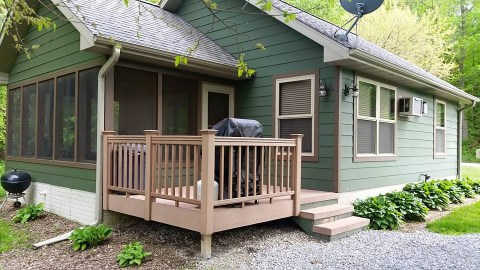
[208, 176]
[148, 172]
[107, 177]
[297, 172]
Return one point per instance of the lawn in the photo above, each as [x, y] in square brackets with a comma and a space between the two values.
[460, 221]
[2, 169]
[11, 237]
[472, 172]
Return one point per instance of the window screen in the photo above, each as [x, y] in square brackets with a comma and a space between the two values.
[298, 126]
[366, 133]
[295, 97]
[387, 104]
[440, 130]
[367, 100]
[87, 114]
[386, 138]
[45, 119]
[65, 117]
[14, 121]
[29, 113]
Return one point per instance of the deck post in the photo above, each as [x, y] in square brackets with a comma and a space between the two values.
[297, 172]
[106, 174]
[148, 172]
[208, 177]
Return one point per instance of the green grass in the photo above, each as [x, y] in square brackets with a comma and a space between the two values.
[472, 172]
[10, 237]
[462, 220]
[2, 169]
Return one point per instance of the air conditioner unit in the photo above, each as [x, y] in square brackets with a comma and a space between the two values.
[412, 106]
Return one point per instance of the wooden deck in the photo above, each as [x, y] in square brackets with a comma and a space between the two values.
[171, 179]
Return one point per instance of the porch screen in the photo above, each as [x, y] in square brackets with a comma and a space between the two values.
[87, 114]
[14, 121]
[45, 119]
[65, 117]
[29, 113]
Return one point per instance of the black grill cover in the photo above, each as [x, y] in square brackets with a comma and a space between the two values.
[234, 127]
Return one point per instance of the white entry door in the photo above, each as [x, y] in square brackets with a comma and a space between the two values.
[217, 103]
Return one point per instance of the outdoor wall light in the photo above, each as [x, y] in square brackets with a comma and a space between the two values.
[324, 89]
[351, 90]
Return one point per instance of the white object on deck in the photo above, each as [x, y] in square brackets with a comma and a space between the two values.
[199, 190]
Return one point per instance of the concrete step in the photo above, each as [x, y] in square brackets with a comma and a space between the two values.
[326, 211]
[314, 198]
[340, 228]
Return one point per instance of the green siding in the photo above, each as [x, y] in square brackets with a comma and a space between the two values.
[81, 179]
[58, 50]
[414, 147]
[287, 52]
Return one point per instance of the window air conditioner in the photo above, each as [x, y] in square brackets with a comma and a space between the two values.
[412, 106]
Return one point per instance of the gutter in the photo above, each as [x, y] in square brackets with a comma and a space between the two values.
[459, 137]
[100, 127]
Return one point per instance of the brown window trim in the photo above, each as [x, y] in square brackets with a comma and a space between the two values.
[316, 73]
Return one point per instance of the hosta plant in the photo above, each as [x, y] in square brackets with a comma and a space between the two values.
[465, 188]
[382, 213]
[29, 212]
[132, 254]
[475, 184]
[89, 236]
[451, 190]
[410, 206]
[429, 193]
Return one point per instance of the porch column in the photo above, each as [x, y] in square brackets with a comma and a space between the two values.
[148, 172]
[297, 172]
[107, 177]
[208, 176]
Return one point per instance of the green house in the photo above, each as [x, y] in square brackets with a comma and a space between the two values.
[370, 120]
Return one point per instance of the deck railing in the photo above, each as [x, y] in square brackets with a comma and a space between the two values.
[186, 169]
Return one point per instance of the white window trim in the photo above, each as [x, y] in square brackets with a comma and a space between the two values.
[376, 157]
[435, 127]
[311, 115]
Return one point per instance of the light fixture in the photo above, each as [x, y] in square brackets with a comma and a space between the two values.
[324, 89]
[351, 90]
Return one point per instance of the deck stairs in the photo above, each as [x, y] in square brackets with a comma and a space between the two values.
[321, 216]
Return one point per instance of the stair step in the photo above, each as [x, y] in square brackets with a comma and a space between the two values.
[326, 211]
[312, 196]
[341, 226]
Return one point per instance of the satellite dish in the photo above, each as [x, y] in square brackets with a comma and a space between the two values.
[359, 8]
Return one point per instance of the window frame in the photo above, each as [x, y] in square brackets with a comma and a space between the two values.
[313, 77]
[439, 155]
[377, 119]
[54, 160]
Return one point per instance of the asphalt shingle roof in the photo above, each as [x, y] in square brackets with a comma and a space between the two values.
[157, 29]
[356, 42]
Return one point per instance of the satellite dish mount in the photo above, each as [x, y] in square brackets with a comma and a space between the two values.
[358, 8]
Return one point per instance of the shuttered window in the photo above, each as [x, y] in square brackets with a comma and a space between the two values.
[376, 119]
[440, 129]
[294, 110]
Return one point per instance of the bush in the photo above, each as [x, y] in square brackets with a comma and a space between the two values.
[89, 236]
[381, 212]
[451, 190]
[29, 212]
[465, 188]
[410, 206]
[131, 254]
[475, 184]
[430, 195]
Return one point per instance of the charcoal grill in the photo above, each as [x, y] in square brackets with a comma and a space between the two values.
[15, 182]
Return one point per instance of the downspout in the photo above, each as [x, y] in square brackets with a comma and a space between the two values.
[459, 137]
[100, 127]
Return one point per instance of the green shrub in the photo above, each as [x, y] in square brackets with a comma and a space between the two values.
[410, 206]
[131, 254]
[430, 195]
[29, 212]
[89, 236]
[475, 184]
[465, 188]
[451, 190]
[381, 212]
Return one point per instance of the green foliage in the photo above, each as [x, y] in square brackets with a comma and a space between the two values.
[430, 195]
[451, 190]
[469, 147]
[475, 184]
[11, 238]
[465, 188]
[383, 213]
[460, 221]
[410, 206]
[132, 254]
[180, 59]
[89, 236]
[2, 170]
[243, 67]
[472, 172]
[28, 213]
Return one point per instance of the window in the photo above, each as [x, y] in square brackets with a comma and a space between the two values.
[14, 119]
[295, 110]
[375, 121]
[440, 129]
[42, 118]
[29, 112]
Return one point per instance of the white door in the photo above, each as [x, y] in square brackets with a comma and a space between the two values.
[217, 103]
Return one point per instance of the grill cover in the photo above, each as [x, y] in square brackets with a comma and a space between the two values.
[234, 127]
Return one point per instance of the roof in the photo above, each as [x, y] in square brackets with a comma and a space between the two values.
[156, 28]
[356, 43]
